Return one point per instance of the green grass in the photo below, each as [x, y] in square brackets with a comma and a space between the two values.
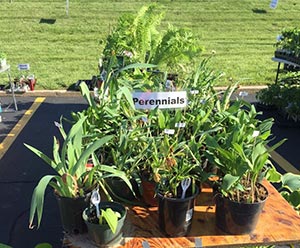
[242, 32]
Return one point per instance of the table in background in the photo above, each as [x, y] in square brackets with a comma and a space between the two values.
[7, 69]
[287, 62]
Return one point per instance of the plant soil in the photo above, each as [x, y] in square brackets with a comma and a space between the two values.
[260, 194]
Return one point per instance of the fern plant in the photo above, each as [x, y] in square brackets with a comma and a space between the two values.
[136, 34]
[140, 38]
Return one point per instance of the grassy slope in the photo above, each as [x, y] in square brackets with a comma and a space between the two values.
[242, 32]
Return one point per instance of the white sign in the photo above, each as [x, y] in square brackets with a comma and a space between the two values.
[162, 100]
[180, 124]
[169, 131]
[273, 4]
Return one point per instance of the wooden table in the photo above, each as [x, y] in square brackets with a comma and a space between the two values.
[278, 224]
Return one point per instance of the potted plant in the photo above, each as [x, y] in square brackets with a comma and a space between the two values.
[115, 116]
[288, 45]
[177, 188]
[73, 179]
[173, 162]
[284, 98]
[269, 98]
[104, 220]
[239, 151]
[3, 57]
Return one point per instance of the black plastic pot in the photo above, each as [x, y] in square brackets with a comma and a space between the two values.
[175, 215]
[121, 190]
[101, 234]
[237, 218]
[71, 213]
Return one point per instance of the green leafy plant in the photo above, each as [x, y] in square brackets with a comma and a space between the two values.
[73, 179]
[169, 162]
[173, 150]
[290, 40]
[270, 96]
[290, 189]
[110, 217]
[177, 47]
[138, 39]
[239, 151]
[136, 34]
[107, 216]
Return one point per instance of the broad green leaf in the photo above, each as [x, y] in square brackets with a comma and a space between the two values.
[291, 181]
[211, 142]
[111, 218]
[273, 175]
[294, 198]
[228, 182]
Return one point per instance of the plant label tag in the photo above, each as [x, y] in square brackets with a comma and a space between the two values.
[273, 4]
[255, 133]
[243, 93]
[57, 124]
[180, 124]
[144, 119]
[189, 215]
[169, 131]
[162, 100]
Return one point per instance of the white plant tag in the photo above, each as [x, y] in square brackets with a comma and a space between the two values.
[273, 4]
[189, 215]
[255, 133]
[144, 119]
[57, 124]
[169, 131]
[243, 93]
[180, 124]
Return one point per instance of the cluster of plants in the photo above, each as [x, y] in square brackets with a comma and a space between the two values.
[288, 45]
[140, 38]
[211, 137]
[283, 96]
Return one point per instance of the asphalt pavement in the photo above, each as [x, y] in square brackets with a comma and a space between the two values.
[20, 170]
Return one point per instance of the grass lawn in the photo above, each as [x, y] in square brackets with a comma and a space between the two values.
[241, 32]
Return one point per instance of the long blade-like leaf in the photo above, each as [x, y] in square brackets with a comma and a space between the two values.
[42, 156]
[88, 152]
[37, 200]
[73, 131]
